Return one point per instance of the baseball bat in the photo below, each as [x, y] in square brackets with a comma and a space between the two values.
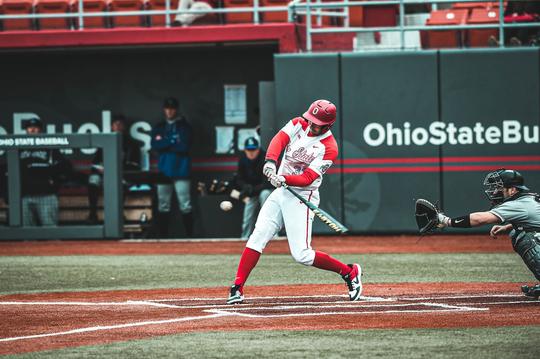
[323, 216]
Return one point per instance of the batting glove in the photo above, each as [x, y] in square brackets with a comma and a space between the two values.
[276, 180]
[269, 169]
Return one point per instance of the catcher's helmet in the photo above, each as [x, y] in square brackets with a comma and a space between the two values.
[502, 178]
[321, 112]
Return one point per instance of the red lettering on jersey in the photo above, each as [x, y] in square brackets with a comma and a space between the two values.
[301, 154]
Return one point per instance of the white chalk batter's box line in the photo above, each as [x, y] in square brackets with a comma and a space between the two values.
[217, 311]
[276, 304]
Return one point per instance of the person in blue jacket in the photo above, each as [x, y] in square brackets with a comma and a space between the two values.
[171, 139]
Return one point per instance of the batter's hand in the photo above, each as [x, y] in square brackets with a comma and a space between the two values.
[277, 181]
[269, 169]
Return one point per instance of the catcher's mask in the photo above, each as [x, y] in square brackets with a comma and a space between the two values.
[502, 178]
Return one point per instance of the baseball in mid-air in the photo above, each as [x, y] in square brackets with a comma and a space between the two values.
[226, 205]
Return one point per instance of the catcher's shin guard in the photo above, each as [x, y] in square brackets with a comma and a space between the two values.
[354, 282]
[533, 292]
[527, 245]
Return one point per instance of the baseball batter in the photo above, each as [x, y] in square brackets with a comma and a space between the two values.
[516, 210]
[309, 150]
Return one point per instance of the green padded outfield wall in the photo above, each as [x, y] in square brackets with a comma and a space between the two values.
[413, 125]
[299, 80]
[383, 95]
[499, 92]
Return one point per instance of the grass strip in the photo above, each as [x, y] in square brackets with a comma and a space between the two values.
[479, 343]
[22, 274]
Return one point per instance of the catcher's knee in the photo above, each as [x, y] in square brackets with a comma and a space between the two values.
[527, 245]
[304, 256]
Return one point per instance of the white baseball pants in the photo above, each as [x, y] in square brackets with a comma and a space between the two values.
[282, 208]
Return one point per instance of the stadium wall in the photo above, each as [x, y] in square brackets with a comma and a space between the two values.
[418, 125]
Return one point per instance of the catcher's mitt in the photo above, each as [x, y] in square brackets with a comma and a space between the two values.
[427, 216]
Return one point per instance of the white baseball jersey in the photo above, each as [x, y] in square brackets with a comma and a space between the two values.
[306, 158]
[304, 151]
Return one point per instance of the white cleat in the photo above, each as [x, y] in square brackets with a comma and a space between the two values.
[354, 282]
[236, 296]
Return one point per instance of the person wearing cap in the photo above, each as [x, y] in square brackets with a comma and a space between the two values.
[298, 156]
[131, 161]
[171, 139]
[42, 170]
[515, 210]
[252, 183]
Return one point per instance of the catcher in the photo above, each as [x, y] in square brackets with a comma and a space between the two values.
[515, 209]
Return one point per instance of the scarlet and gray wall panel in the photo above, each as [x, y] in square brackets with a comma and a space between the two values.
[490, 87]
[382, 181]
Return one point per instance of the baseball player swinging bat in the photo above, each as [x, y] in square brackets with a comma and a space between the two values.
[323, 216]
[307, 149]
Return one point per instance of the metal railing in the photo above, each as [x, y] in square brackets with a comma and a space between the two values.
[256, 9]
[307, 8]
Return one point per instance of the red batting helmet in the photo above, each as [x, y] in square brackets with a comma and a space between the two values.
[321, 112]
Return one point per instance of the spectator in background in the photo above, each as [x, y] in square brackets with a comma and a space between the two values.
[252, 183]
[171, 139]
[131, 161]
[520, 12]
[42, 171]
[187, 18]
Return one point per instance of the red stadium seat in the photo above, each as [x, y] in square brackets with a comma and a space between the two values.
[445, 38]
[275, 16]
[239, 17]
[17, 7]
[92, 6]
[380, 15]
[356, 16]
[479, 37]
[127, 5]
[53, 7]
[159, 20]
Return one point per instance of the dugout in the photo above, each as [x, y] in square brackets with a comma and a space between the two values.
[16, 146]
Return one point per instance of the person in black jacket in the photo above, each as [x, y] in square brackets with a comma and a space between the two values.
[131, 161]
[171, 139]
[42, 171]
[253, 185]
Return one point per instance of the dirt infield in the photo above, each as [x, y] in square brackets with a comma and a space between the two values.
[58, 320]
[336, 245]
